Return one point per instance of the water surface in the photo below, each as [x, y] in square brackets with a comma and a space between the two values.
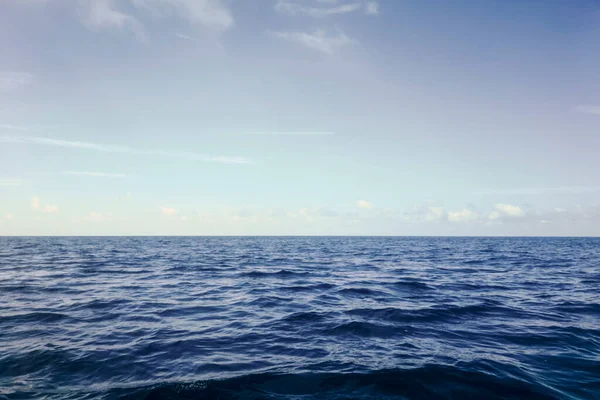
[299, 318]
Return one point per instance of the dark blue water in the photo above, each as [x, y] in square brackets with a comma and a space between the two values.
[299, 318]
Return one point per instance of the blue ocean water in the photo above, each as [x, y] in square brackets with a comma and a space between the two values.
[299, 318]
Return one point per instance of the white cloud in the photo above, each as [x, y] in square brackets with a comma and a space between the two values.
[35, 203]
[588, 109]
[128, 14]
[463, 215]
[317, 40]
[495, 215]
[9, 217]
[11, 80]
[291, 8]
[305, 214]
[168, 211]
[11, 182]
[122, 149]
[103, 14]
[434, 214]
[424, 213]
[364, 204]
[94, 216]
[49, 208]
[209, 13]
[271, 215]
[505, 210]
[94, 174]
[510, 210]
[372, 8]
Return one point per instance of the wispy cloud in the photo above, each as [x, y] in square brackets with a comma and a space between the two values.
[94, 216]
[126, 15]
[372, 8]
[36, 140]
[10, 80]
[94, 174]
[305, 133]
[35, 203]
[319, 40]
[364, 204]
[168, 211]
[14, 127]
[11, 182]
[186, 37]
[305, 213]
[106, 15]
[539, 191]
[33, 2]
[51, 209]
[434, 214]
[589, 109]
[102, 14]
[292, 8]
[213, 14]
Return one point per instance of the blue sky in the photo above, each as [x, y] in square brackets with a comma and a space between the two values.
[209, 117]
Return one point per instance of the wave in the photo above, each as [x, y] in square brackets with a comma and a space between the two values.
[361, 292]
[428, 382]
[411, 285]
[276, 274]
[364, 329]
[307, 288]
[435, 314]
[579, 308]
[38, 316]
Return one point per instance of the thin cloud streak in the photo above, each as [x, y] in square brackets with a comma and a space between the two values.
[11, 182]
[10, 80]
[186, 37]
[14, 127]
[35, 140]
[588, 109]
[289, 8]
[290, 133]
[319, 40]
[94, 174]
[538, 191]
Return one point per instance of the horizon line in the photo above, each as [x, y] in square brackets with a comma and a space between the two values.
[324, 236]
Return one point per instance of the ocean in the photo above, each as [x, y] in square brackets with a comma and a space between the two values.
[299, 318]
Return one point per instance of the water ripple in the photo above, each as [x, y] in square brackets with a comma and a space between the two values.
[290, 318]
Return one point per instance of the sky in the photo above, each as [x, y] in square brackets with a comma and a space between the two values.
[299, 117]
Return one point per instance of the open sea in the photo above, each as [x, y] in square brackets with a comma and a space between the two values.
[299, 318]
